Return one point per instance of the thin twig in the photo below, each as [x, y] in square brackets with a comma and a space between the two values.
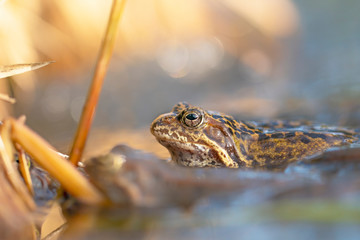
[96, 85]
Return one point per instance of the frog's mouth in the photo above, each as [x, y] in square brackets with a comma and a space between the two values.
[195, 148]
[192, 154]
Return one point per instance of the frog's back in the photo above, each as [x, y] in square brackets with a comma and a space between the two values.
[302, 125]
[281, 142]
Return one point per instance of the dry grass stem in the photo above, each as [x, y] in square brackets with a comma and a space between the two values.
[99, 75]
[59, 168]
[11, 70]
[7, 160]
[24, 169]
[15, 216]
[6, 98]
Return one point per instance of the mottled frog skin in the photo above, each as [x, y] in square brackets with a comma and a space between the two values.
[199, 138]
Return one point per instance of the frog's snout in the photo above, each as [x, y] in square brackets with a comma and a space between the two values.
[161, 122]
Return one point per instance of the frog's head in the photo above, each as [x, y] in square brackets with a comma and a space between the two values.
[195, 137]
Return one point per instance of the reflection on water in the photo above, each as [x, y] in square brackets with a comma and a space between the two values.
[244, 204]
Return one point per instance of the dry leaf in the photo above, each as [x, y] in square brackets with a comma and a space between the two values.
[10, 70]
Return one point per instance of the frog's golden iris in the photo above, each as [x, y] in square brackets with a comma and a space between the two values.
[199, 138]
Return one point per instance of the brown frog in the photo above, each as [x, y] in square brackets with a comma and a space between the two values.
[199, 138]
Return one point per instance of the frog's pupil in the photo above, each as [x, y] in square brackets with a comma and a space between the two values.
[192, 116]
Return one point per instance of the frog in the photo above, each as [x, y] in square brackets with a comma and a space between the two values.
[196, 137]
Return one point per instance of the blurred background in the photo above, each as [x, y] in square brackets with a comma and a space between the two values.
[254, 59]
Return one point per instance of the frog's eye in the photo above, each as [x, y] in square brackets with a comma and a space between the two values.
[192, 118]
